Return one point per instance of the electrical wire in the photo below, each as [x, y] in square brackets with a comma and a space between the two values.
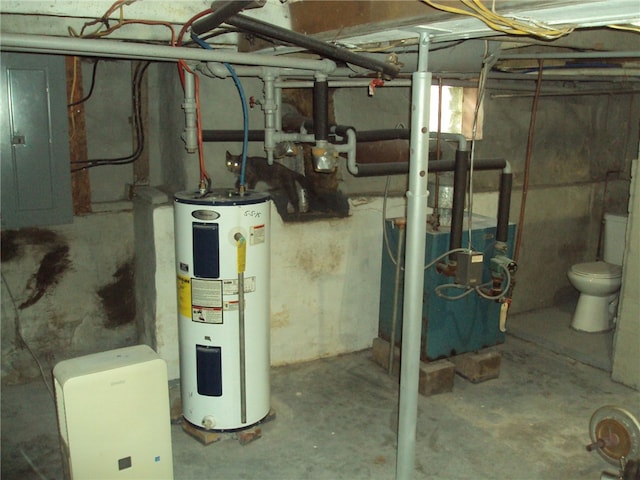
[628, 28]
[503, 24]
[439, 289]
[138, 126]
[487, 64]
[93, 83]
[104, 22]
[477, 289]
[21, 335]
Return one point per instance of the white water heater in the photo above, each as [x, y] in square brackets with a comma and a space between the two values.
[223, 267]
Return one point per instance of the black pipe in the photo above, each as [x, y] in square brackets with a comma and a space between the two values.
[504, 204]
[231, 135]
[341, 130]
[322, 48]
[457, 207]
[398, 168]
[321, 109]
[388, 134]
[222, 10]
[380, 169]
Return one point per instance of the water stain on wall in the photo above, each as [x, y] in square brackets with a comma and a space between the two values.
[281, 318]
[52, 267]
[118, 298]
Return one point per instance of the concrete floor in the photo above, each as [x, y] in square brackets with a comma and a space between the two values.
[551, 328]
[336, 419]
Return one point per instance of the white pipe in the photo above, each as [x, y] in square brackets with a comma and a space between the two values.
[270, 111]
[414, 261]
[190, 134]
[15, 42]
[350, 149]
[569, 55]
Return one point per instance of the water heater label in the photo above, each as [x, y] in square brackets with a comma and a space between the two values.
[231, 285]
[206, 315]
[257, 234]
[206, 300]
[184, 296]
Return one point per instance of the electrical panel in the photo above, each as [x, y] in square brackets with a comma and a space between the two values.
[36, 181]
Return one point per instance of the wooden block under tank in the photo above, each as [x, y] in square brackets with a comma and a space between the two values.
[478, 366]
[435, 377]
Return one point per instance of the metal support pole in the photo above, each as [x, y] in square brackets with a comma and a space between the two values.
[414, 262]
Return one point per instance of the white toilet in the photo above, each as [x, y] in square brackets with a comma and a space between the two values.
[599, 282]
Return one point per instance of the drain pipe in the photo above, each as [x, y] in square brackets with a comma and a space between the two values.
[414, 260]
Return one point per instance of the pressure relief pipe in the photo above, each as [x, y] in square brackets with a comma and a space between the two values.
[241, 248]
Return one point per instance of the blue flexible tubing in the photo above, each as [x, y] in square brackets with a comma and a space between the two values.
[245, 108]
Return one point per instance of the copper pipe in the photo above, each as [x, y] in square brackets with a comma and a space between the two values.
[527, 162]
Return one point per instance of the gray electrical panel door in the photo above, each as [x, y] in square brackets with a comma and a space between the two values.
[36, 183]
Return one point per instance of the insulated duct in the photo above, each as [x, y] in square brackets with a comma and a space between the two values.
[222, 10]
[457, 207]
[504, 204]
[322, 48]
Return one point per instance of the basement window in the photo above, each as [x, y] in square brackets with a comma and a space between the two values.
[457, 112]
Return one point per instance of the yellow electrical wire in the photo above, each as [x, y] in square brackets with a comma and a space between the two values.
[629, 28]
[500, 23]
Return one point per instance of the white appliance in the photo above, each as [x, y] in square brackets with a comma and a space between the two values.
[113, 415]
[223, 266]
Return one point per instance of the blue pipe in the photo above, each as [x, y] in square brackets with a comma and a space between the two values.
[245, 108]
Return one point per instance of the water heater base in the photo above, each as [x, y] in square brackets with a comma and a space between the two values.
[244, 435]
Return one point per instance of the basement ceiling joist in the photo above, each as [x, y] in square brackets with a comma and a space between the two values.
[359, 22]
[347, 21]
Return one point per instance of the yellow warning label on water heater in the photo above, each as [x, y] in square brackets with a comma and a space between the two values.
[184, 296]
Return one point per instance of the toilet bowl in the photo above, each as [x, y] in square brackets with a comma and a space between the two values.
[598, 284]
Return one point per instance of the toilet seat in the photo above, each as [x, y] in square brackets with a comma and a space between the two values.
[597, 270]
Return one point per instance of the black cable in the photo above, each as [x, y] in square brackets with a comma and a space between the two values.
[93, 84]
[137, 123]
[20, 335]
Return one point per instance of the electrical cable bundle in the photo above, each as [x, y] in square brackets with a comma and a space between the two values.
[138, 126]
[500, 23]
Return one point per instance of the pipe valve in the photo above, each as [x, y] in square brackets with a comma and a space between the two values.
[500, 262]
[325, 157]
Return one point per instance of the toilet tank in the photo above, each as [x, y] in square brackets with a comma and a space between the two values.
[615, 228]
